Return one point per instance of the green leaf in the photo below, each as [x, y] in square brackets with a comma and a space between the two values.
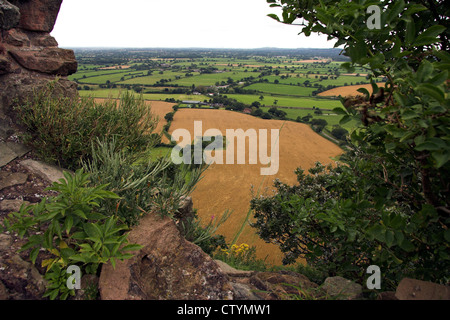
[432, 31]
[132, 247]
[93, 231]
[429, 36]
[424, 71]
[378, 232]
[431, 91]
[365, 92]
[33, 255]
[407, 246]
[410, 114]
[447, 235]
[410, 32]
[439, 78]
[394, 12]
[389, 237]
[274, 16]
[68, 223]
[441, 158]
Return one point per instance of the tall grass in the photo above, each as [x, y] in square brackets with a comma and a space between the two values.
[144, 185]
[61, 130]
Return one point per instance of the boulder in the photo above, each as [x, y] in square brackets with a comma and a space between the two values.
[20, 280]
[54, 61]
[342, 289]
[411, 289]
[44, 170]
[10, 15]
[16, 37]
[29, 55]
[38, 15]
[8, 179]
[166, 268]
[10, 151]
[12, 205]
[22, 86]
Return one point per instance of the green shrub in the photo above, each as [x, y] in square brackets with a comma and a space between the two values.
[388, 203]
[143, 185]
[342, 222]
[61, 129]
[204, 236]
[72, 230]
[241, 257]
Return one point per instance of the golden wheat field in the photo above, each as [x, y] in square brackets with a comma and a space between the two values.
[229, 186]
[348, 90]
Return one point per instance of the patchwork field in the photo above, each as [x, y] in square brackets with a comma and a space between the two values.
[229, 186]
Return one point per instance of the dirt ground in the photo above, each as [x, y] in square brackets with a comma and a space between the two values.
[229, 186]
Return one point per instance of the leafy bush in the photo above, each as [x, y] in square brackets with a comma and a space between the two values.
[72, 230]
[388, 203]
[61, 129]
[143, 185]
[204, 236]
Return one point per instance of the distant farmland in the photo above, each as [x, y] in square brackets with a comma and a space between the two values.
[228, 187]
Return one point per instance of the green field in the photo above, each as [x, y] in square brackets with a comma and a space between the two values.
[294, 102]
[281, 89]
[280, 82]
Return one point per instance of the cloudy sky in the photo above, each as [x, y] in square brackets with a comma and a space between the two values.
[176, 23]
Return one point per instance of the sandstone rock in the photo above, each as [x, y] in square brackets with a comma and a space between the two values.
[232, 272]
[89, 283]
[8, 179]
[5, 65]
[54, 61]
[342, 289]
[10, 151]
[38, 15]
[22, 86]
[167, 268]
[44, 170]
[16, 38]
[5, 242]
[411, 289]
[29, 57]
[6, 154]
[21, 279]
[244, 292]
[43, 39]
[12, 205]
[10, 15]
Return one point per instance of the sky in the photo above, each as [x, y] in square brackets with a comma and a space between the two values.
[176, 24]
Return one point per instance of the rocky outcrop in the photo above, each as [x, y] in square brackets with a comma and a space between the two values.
[411, 289]
[29, 55]
[166, 268]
